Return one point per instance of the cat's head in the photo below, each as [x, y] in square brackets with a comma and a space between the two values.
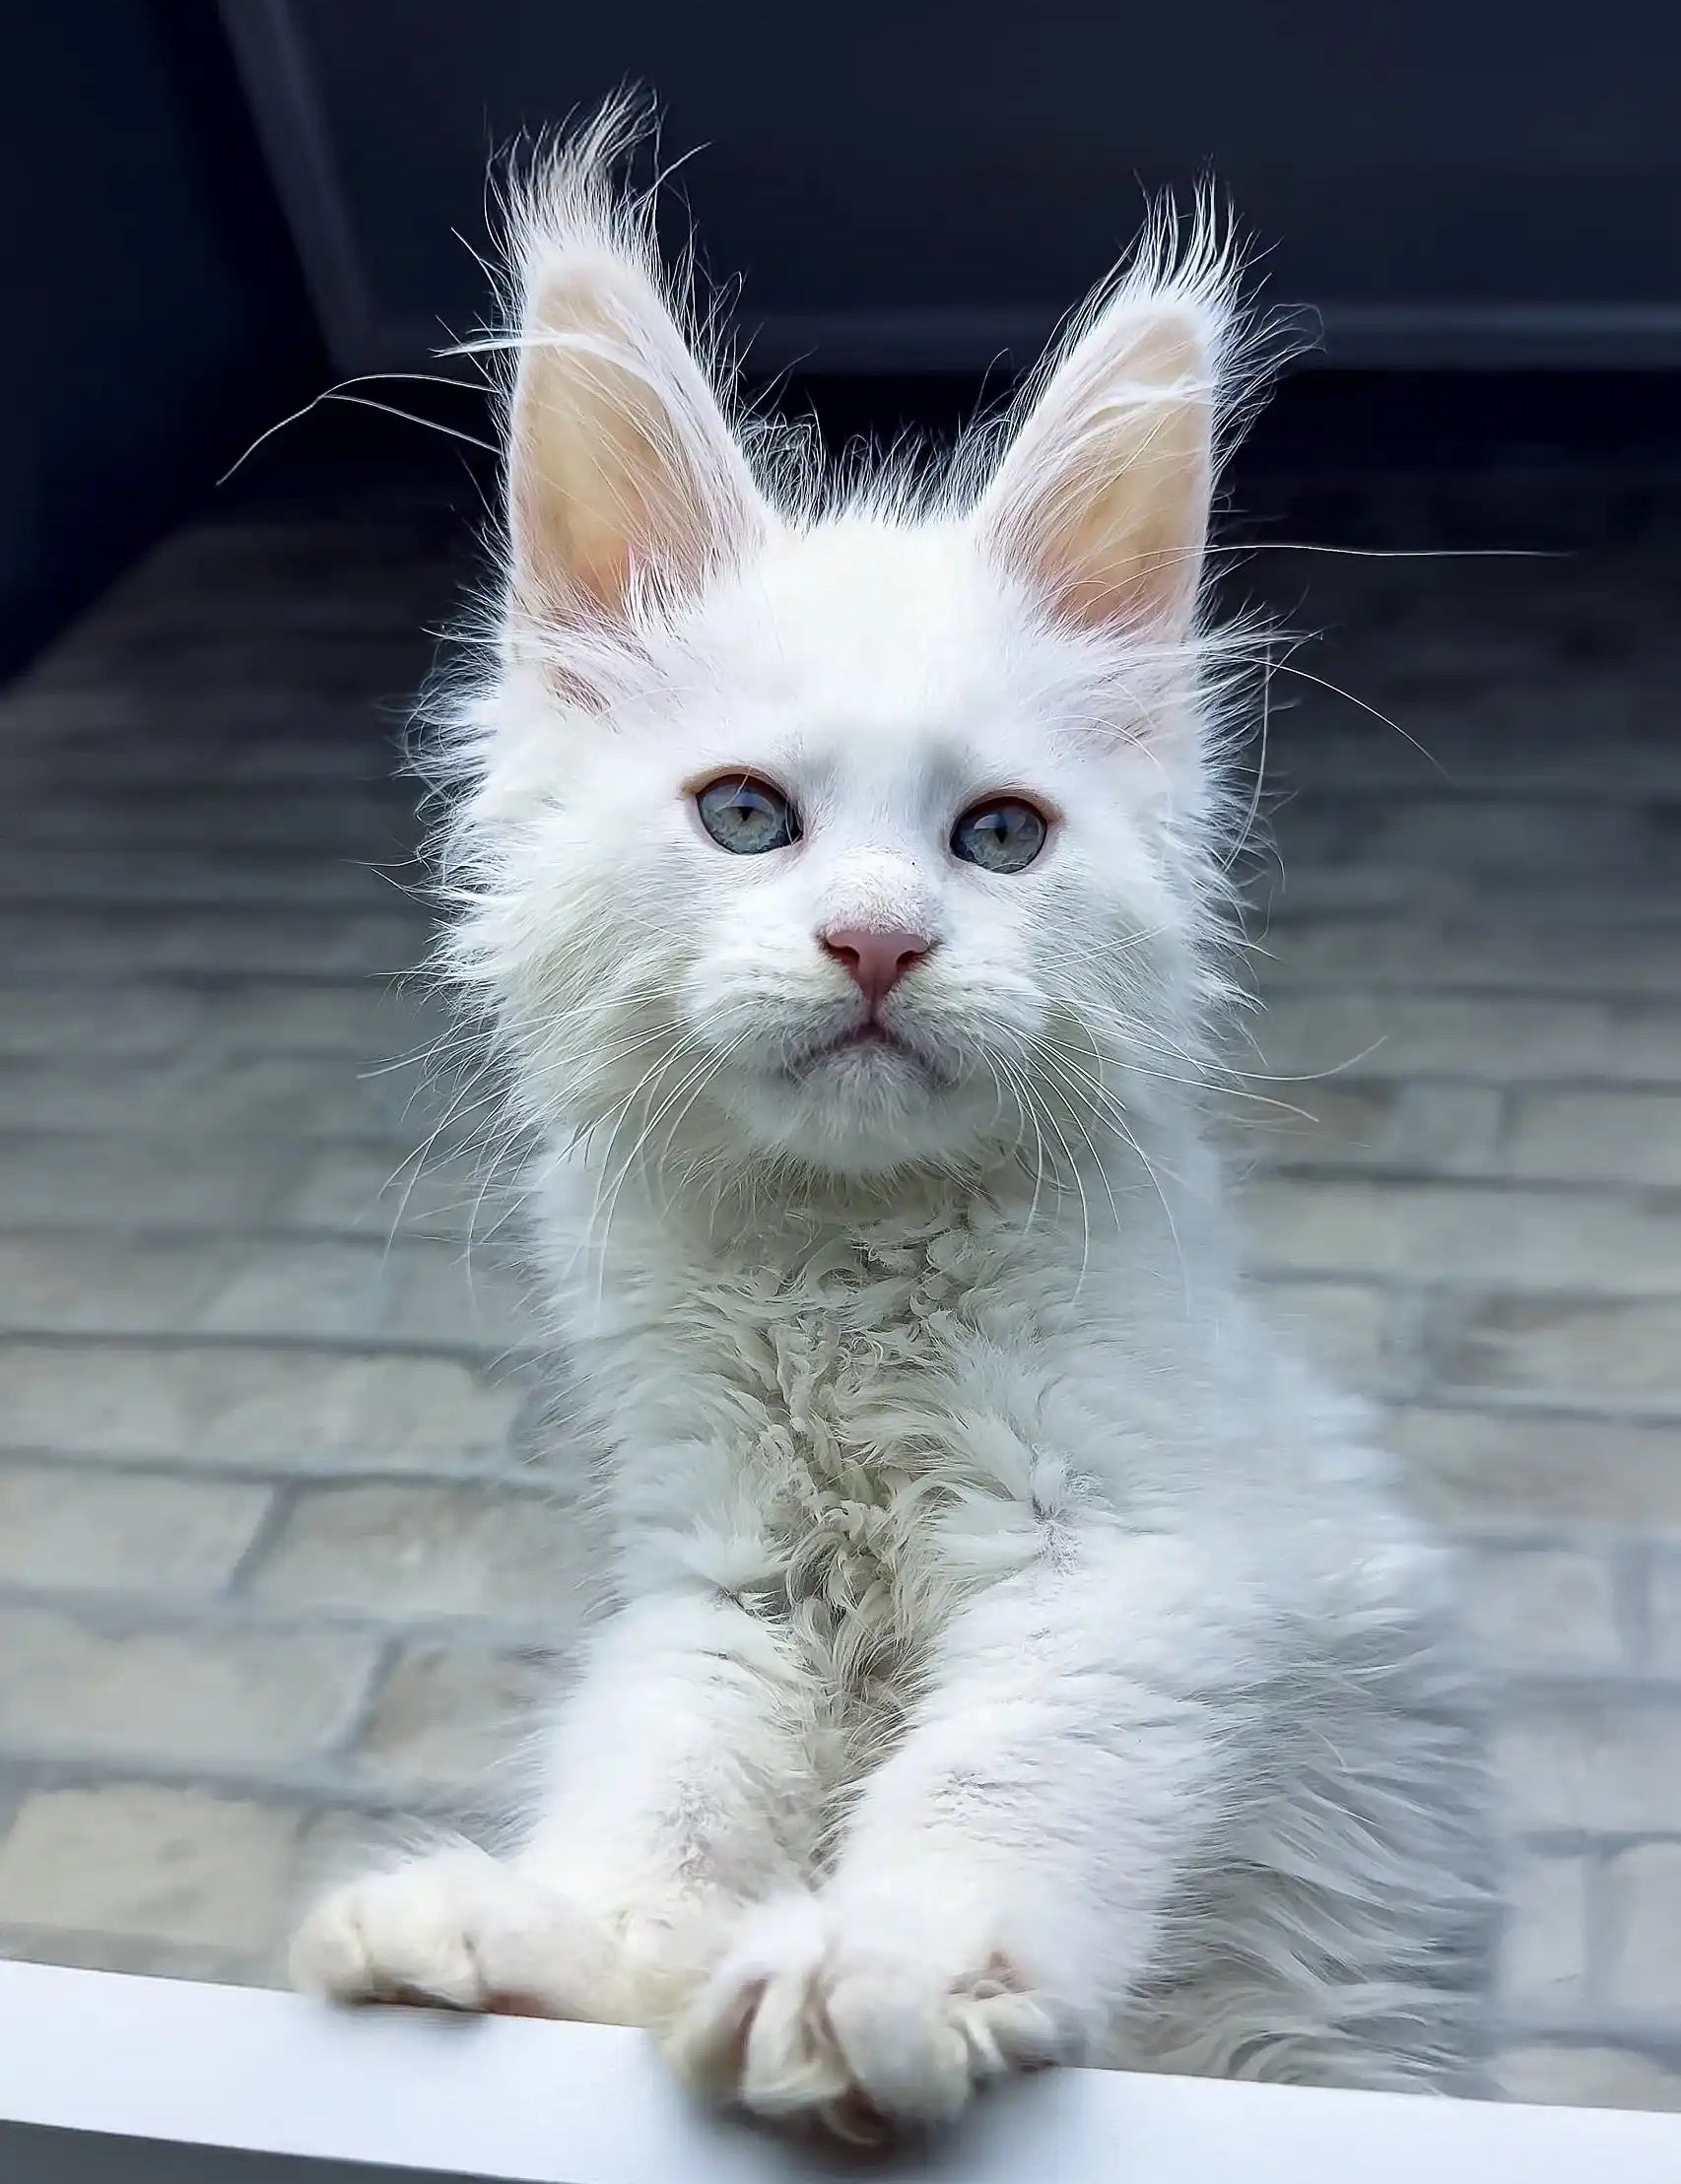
[864, 828]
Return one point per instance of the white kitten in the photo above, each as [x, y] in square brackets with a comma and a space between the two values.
[1017, 1655]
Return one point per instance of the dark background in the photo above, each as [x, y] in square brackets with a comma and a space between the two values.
[1448, 181]
[158, 308]
[1481, 203]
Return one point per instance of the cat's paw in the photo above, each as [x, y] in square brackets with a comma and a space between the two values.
[460, 1930]
[807, 2018]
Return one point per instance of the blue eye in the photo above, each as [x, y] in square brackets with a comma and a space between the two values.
[1006, 835]
[747, 816]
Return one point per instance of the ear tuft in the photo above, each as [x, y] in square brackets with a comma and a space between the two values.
[621, 470]
[1101, 500]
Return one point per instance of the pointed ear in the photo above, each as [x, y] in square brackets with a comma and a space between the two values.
[620, 467]
[1101, 501]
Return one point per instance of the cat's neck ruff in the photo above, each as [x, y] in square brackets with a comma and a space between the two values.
[1148, 1215]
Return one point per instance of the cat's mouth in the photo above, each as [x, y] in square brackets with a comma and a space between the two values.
[867, 1034]
[865, 1040]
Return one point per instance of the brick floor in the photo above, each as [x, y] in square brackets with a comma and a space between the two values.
[276, 1574]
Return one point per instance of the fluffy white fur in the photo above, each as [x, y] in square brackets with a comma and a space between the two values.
[1017, 1654]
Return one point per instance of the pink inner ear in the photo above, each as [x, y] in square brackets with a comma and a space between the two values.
[1131, 556]
[1103, 498]
[622, 464]
[595, 501]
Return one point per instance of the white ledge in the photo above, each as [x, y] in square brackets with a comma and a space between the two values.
[119, 2080]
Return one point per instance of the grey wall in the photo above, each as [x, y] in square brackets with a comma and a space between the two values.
[920, 183]
[158, 319]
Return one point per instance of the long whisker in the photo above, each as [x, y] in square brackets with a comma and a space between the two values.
[1025, 1107]
[1080, 1187]
[1283, 667]
[1100, 1162]
[707, 1066]
[362, 401]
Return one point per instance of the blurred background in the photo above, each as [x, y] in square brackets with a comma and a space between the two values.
[284, 1550]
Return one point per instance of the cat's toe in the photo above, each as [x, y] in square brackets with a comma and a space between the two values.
[805, 2021]
[389, 1935]
[458, 1930]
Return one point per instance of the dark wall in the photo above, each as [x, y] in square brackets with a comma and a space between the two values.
[158, 318]
[908, 183]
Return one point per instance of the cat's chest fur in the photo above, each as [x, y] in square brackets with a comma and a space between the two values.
[850, 1368]
[845, 1428]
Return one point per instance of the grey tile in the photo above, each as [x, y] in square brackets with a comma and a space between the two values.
[419, 1552]
[453, 1716]
[272, 1409]
[70, 1180]
[61, 1528]
[1494, 1466]
[1458, 1232]
[1598, 1137]
[179, 1867]
[212, 1696]
[1593, 1353]
[53, 1283]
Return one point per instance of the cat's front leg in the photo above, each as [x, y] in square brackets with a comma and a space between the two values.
[999, 1889]
[673, 1796]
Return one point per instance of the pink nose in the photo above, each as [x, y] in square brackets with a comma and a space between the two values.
[874, 961]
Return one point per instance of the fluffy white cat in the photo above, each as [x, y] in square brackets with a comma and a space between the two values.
[1016, 1653]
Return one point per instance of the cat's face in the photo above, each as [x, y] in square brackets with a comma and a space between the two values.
[855, 865]
[866, 839]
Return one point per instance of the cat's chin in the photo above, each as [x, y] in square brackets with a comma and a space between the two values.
[866, 1110]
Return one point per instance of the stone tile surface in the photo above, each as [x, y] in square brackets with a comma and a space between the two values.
[276, 1580]
[213, 1694]
[171, 1865]
[1588, 2076]
[269, 1407]
[1599, 1137]
[1540, 1608]
[1586, 1763]
[451, 1716]
[1644, 1920]
[1543, 1955]
[416, 1551]
[138, 1531]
